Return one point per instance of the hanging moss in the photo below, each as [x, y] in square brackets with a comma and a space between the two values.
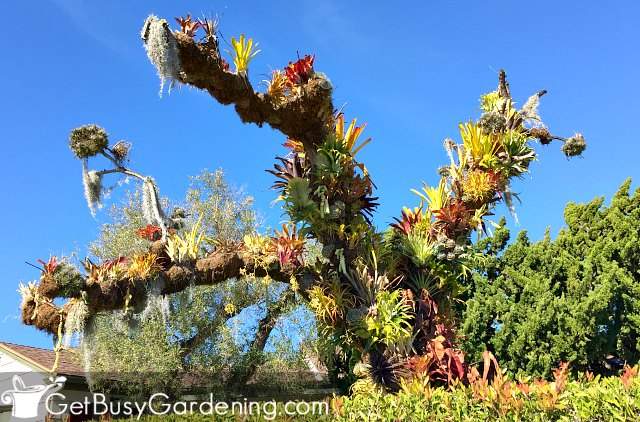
[92, 182]
[77, 312]
[162, 49]
[88, 140]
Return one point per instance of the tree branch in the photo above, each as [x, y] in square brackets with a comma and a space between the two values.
[263, 331]
[302, 116]
[219, 266]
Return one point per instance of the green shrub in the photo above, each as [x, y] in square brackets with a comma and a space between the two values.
[572, 299]
[601, 399]
[587, 398]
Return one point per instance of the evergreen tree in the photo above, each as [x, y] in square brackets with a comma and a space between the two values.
[575, 298]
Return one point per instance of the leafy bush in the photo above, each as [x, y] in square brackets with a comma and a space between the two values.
[584, 399]
[575, 298]
[587, 398]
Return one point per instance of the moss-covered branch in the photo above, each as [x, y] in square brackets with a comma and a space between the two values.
[127, 292]
[302, 116]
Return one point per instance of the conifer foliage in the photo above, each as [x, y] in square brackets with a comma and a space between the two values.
[573, 299]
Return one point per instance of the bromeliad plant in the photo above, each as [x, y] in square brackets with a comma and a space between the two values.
[383, 300]
[243, 52]
[185, 249]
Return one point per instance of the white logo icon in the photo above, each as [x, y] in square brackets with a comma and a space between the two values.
[28, 402]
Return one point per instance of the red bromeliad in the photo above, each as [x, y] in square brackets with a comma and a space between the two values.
[50, 266]
[299, 72]
[150, 232]
[288, 246]
[408, 220]
[452, 219]
[188, 26]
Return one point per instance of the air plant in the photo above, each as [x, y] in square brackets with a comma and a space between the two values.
[288, 246]
[516, 154]
[120, 151]
[27, 292]
[88, 140]
[290, 168]
[482, 147]
[479, 186]
[50, 266]
[385, 370]
[244, 51]
[277, 87]
[489, 101]
[574, 145]
[492, 122]
[256, 244]
[419, 248]
[330, 303]
[295, 146]
[92, 182]
[151, 209]
[69, 281]
[388, 319]
[115, 269]
[529, 110]
[367, 205]
[210, 27]
[77, 312]
[143, 266]
[299, 72]
[188, 26]
[298, 201]
[366, 285]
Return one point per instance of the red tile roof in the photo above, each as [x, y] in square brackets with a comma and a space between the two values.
[43, 358]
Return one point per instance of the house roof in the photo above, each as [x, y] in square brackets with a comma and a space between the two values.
[43, 359]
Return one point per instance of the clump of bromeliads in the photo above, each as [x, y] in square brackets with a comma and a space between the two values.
[383, 300]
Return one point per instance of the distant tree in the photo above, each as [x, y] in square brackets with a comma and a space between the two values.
[573, 299]
[192, 330]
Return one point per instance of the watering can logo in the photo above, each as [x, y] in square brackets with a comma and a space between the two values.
[29, 401]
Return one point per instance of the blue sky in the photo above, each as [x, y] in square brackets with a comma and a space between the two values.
[412, 73]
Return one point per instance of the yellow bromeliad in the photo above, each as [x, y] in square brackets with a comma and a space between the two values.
[185, 249]
[492, 101]
[482, 147]
[435, 197]
[277, 87]
[243, 49]
[478, 186]
[143, 266]
[351, 135]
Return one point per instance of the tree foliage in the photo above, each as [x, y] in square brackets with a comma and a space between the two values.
[198, 330]
[573, 299]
